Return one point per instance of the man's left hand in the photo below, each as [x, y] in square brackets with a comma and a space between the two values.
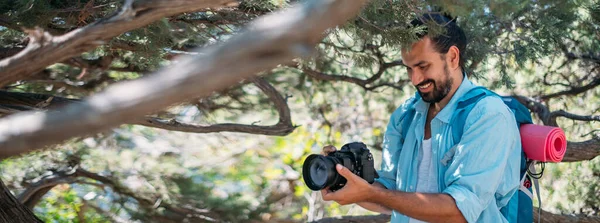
[355, 190]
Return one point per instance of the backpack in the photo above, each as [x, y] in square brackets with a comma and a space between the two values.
[520, 206]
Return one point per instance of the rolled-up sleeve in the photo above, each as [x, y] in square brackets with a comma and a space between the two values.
[480, 159]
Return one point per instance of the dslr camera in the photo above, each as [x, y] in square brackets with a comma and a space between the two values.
[319, 171]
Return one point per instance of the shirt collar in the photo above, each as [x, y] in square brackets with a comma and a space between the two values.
[448, 110]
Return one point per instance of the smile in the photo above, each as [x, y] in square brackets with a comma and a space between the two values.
[425, 86]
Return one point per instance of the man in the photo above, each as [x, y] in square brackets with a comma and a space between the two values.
[429, 177]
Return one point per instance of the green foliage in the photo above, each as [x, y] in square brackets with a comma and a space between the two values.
[30, 13]
[515, 47]
[10, 37]
[388, 21]
[262, 5]
[232, 205]
[63, 204]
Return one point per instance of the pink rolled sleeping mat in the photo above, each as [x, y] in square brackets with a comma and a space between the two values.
[543, 143]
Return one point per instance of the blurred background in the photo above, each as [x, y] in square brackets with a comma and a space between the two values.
[546, 53]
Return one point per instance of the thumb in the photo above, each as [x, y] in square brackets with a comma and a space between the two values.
[345, 172]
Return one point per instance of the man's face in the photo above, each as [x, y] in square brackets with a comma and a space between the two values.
[428, 71]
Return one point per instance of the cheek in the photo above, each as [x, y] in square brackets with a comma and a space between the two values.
[435, 73]
[429, 74]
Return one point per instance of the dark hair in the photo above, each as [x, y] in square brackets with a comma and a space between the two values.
[452, 35]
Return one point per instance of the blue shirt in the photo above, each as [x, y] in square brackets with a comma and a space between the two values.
[481, 172]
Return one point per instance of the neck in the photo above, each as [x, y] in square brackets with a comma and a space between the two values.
[458, 79]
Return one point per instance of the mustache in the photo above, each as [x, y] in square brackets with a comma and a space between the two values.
[425, 82]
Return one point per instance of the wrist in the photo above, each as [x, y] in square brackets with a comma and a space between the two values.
[374, 191]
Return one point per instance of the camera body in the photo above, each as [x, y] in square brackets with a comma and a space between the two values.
[319, 171]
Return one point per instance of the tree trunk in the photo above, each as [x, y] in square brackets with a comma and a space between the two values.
[12, 210]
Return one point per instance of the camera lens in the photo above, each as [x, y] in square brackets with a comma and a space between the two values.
[319, 172]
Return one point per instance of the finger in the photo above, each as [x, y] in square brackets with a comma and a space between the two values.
[324, 193]
[328, 149]
[345, 172]
[337, 196]
[330, 196]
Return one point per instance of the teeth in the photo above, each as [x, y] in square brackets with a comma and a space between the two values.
[425, 86]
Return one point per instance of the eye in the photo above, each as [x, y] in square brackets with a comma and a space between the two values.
[424, 67]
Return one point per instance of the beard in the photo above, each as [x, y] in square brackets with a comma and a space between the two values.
[440, 89]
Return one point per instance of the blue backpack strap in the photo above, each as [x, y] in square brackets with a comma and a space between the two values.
[464, 107]
[522, 114]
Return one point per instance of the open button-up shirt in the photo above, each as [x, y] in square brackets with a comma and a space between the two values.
[481, 172]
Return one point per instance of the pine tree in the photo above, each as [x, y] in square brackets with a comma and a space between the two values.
[543, 52]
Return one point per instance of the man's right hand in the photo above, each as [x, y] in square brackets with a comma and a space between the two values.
[366, 205]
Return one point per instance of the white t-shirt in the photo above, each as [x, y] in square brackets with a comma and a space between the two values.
[426, 177]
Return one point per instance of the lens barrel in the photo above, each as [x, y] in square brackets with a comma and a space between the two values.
[319, 172]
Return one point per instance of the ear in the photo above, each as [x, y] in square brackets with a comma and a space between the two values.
[453, 57]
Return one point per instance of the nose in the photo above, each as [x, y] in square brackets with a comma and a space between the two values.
[416, 76]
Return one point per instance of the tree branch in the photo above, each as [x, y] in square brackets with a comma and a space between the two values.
[579, 151]
[562, 113]
[548, 217]
[537, 107]
[79, 86]
[149, 203]
[283, 127]
[36, 191]
[573, 90]
[264, 45]
[29, 101]
[5, 21]
[589, 56]
[44, 49]
[367, 84]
